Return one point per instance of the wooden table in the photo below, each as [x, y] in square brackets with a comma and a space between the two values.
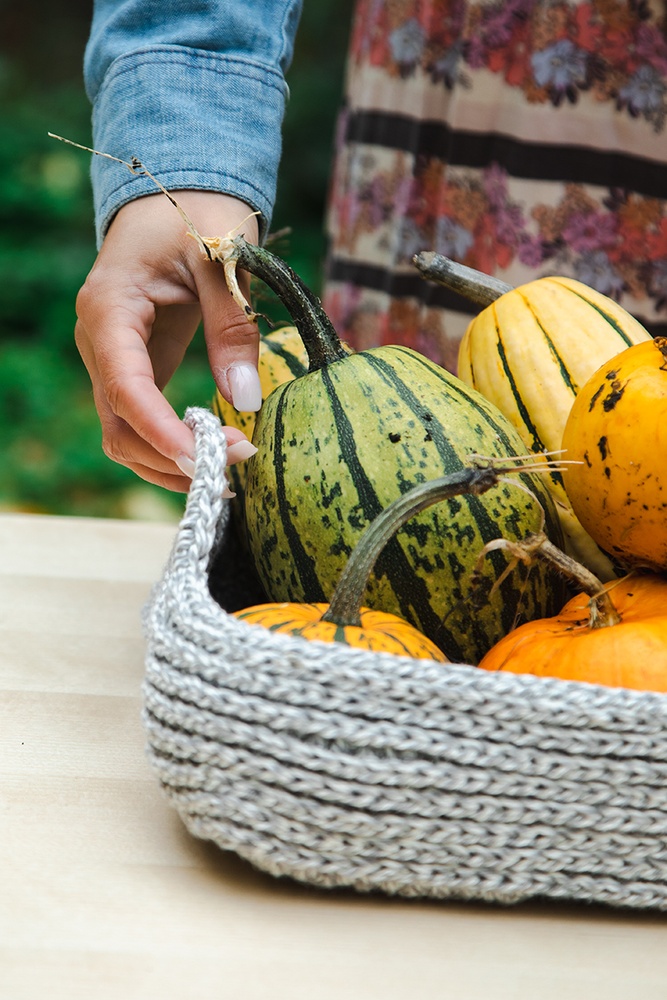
[104, 896]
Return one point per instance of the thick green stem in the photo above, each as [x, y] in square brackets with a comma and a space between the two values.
[347, 598]
[480, 288]
[321, 341]
[345, 605]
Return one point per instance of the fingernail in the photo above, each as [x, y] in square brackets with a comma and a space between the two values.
[245, 387]
[240, 451]
[186, 465]
[227, 494]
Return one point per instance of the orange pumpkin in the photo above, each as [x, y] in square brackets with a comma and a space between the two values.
[624, 645]
[617, 432]
[377, 631]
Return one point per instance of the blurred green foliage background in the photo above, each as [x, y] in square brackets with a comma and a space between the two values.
[50, 441]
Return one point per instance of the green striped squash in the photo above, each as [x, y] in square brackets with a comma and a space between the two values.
[338, 445]
[529, 352]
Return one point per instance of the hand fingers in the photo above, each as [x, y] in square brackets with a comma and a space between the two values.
[126, 396]
[137, 314]
[233, 350]
[237, 451]
[177, 484]
[122, 444]
[172, 332]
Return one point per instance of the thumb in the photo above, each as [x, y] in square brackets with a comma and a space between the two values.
[232, 341]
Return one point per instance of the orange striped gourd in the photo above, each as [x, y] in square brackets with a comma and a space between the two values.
[376, 630]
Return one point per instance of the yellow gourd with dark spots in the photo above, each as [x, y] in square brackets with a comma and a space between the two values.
[617, 431]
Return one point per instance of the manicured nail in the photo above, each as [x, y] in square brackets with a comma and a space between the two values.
[240, 451]
[227, 494]
[245, 387]
[186, 465]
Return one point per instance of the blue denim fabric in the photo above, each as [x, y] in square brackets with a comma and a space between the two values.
[195, 89]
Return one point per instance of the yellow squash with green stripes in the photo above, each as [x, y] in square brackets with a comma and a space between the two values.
[339, 444]
[530, 351]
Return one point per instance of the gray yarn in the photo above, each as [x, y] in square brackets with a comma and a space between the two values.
[339, 767]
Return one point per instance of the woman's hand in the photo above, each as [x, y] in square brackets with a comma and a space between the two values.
[138, 311]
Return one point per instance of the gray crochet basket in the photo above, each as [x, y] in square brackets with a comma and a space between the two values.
[338, 767]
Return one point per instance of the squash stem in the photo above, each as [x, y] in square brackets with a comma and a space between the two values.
[476, 286]
[603, 611]
[346, 600]
[320, 339]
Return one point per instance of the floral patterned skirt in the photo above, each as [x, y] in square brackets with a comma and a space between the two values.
[520, 137]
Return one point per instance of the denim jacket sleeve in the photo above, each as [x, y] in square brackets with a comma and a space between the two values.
[195, 91]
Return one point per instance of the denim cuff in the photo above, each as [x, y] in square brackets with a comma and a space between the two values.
[196, 120]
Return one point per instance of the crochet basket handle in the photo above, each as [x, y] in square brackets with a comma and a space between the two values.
[205, 510]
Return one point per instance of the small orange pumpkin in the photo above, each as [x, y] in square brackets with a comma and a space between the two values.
[617, 433]
[377, 631]
[615, 635]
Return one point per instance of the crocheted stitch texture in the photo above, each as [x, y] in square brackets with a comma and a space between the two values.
[339, 767]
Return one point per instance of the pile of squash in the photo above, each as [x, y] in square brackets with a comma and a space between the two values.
[396, 507]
